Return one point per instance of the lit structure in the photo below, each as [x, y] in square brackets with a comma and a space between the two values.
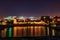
[10, 17]
[21, 18]
[52, 22]
[30, 20]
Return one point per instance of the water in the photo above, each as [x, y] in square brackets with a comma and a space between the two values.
[3, 32]
[10, 32]
[29, 31]
[25, 31]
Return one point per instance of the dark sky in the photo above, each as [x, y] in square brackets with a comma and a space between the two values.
[29, 7]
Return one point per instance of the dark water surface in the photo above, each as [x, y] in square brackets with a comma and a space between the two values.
[24, 31]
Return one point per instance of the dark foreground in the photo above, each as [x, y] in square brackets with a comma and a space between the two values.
[32, 38]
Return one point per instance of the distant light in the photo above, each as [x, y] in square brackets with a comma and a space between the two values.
[10, 17]
[32, 18]
[44, 17]
[21, 17]
[50, 16]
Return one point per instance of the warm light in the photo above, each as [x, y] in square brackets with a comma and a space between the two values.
[44, 17]
[3, 23]
[58, 19]
[53, 32]
[15, 21]
[42, 22]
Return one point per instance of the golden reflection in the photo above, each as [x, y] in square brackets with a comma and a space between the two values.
[43, 31]
[19, 31]
[15, 32]
[37, 31]
[29, 31]
[53, 32]
[24, 31]
[4, 32]
[48, 31]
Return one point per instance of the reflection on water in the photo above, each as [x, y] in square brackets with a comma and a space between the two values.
[17, 31]
[3, 33]
[39, 31]
[53, 32]
[26, 31]
[29, 31]
[9, 31]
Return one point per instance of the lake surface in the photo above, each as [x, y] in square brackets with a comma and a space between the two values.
[26, 31]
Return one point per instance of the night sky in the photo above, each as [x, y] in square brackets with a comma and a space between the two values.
[29, 8]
